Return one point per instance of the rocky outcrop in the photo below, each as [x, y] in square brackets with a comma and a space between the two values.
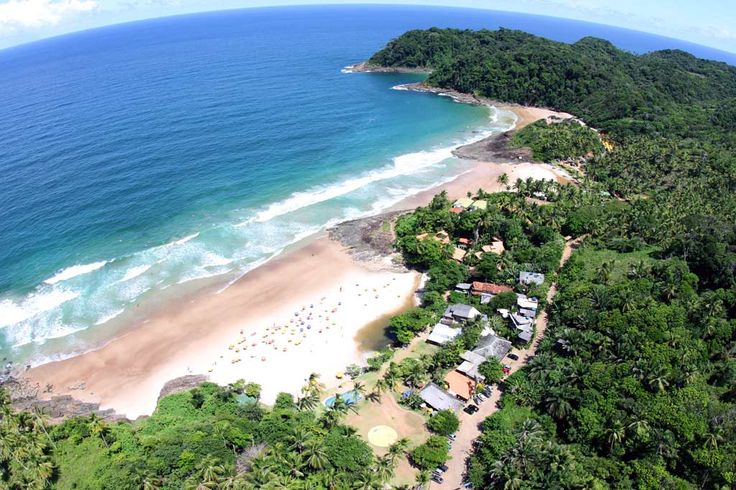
[183, 383]
[371, 241]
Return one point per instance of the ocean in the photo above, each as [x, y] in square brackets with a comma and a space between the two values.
[145, 160]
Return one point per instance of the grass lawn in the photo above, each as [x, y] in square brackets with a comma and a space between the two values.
[406, 423]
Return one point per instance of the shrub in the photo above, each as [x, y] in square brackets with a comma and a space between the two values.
[444, 423]
[431, 454]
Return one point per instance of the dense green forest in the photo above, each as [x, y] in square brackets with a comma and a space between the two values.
[558, 140]
[635, 382]
[634, 385]
[660, 93]
[209, 437]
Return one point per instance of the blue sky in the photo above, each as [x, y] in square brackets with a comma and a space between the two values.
[708, 22]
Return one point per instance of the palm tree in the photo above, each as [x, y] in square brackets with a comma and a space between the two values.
[398, 448]
[212, 472]
[151, 483]
[615, 435]
[657, 380]
[557, 405]
[292, 462]
[603, 274]
[367, 481]
[378, 389]
[415, 376]
[359, 388]
[316, 458]
[314, 384]
[384, 468]
[422, 478]
[98, 427]
[39, 422]
[299, 439]
[503, 179]
[330, 478]
[309, 401]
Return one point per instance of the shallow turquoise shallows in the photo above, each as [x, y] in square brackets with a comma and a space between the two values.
[138, 158]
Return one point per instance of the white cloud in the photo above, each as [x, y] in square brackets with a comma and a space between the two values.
[19, 14]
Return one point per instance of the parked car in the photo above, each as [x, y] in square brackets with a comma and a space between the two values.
[488, 391]
[513, 356]
[437, 479]
[452, 436]
[443, 468]
[471, 409]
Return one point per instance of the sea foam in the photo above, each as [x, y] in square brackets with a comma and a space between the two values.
[74, 271]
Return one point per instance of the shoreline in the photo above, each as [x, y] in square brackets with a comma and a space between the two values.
[248, 330]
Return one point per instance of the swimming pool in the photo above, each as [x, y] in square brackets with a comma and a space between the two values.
[350, 397]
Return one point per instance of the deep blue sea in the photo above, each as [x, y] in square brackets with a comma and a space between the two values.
[138, 158]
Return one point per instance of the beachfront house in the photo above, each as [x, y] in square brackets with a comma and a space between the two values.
[485, 298]
[463, 203]
[531, 278]
[463, 287]
[479, 205]
[460, 385]
[439, 399]
[442, 334]
[459, 313]
[478, 288]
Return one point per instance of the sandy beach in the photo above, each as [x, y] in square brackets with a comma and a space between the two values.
[297, 314]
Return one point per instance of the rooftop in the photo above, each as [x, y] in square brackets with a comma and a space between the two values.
[439, 399]
[442, 334]
[531, 277]
[489, 288]
[492, 346]
[463, 202]
[460, 385]
[460, 310]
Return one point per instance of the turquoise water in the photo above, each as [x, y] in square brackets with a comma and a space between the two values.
[349, 397]
[139, 158]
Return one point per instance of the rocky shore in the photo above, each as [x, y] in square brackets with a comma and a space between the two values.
[365, 67]
[370, 241]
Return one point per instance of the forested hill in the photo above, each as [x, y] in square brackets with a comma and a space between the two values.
[672, 118]
[663, 92]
